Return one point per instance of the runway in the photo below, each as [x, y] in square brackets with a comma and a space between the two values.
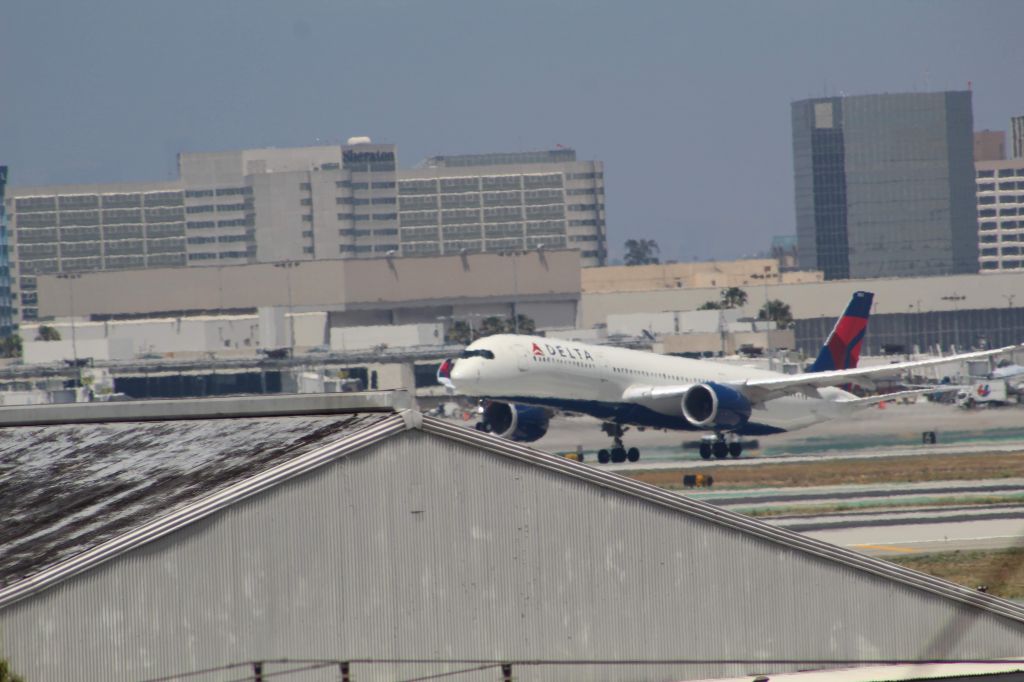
[891, 518]
[878, 519]
[893, 432]
[881, 519]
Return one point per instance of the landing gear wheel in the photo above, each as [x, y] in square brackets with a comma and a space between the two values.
[720, 449]
[618, 454]
[603, 456]
[705, 450]
[633, 454]
[735, 449]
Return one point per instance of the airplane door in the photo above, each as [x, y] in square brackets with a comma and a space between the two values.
[523, 357]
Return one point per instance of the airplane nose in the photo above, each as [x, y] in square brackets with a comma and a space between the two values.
[460, 372]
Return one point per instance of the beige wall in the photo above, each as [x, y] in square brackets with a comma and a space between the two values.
[826, 299]
[334, 284]
[754, 271]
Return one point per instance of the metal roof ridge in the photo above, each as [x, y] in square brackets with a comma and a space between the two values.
[727, 518]
[203, 507]
[217, 407]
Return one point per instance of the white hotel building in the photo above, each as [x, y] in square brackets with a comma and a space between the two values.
[308, 203]
[1000, 186]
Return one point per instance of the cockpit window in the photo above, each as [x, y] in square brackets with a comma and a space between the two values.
[479, 353]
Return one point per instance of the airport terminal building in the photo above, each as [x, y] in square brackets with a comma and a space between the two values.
[312, 203]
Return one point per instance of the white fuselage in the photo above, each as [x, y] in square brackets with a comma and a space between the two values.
[593, 379]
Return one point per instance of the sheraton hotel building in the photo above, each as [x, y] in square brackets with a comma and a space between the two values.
[308, 203]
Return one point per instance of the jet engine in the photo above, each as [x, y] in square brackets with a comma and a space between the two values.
[521, 423]
[716, 406]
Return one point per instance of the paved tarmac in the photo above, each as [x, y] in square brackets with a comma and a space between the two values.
[892, 518]
[934, 523]
[941, 517]
[893, 431]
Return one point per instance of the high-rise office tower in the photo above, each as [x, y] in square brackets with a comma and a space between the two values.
[885, 185]
[6, 313]
[1017, 134]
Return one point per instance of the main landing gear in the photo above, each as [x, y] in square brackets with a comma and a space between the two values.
[721, 446]
[618, 452]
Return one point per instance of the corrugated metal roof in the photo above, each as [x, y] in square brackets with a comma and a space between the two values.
[729, 519]
[66, 489]
[107, 487]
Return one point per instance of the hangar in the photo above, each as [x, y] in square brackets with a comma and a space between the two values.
[312, 536]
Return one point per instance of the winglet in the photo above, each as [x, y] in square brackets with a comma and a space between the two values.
[842, 348]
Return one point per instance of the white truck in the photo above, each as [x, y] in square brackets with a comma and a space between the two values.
[990, 392]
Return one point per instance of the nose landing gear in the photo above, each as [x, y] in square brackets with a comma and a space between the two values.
[720, 445]
[618, 452]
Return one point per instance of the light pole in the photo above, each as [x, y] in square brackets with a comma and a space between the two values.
[288, 265]
[74, 342]
[955, 298]
[515, 292]
[1009, 299]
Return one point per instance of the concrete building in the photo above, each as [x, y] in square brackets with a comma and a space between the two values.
[735, 273]
[883, 185]
[1017, 134]
[1000, 197]
[989, 145]
[354, 537]
[960, 310]
[7, 327]
[310, 203]
[541, 284]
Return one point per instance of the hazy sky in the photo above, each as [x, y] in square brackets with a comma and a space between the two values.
[687, 103]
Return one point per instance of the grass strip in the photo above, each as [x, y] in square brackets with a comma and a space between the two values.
[908, 469]
[1001, 571]
[887, 505]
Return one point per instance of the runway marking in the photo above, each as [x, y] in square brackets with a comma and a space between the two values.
[888, 548]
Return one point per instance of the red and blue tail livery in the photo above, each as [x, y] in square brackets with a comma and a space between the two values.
[842, 348]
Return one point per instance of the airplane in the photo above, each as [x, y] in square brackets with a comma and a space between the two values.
[520, 378]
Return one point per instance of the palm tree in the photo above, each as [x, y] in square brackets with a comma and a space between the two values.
[460, 333]
[641, 251]
[733, 297]
[526, 325]
[10, 346]
[493, 325]
[778, 312]
[47, 333]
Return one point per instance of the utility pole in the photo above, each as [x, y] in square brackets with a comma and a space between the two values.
[74, 342]
[288, 265]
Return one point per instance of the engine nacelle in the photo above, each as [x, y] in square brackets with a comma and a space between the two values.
[521, 423]
[716, 406]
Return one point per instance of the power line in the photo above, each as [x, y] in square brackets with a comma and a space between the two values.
[453, 673]
[486, 664]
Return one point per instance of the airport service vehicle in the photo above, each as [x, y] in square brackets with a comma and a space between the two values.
[1001, 386]
[983, 392]
[521, 377]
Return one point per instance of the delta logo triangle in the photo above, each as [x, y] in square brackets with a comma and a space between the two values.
[537, 350]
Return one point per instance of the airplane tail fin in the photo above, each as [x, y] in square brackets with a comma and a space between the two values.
[444, 374]
[842, 348]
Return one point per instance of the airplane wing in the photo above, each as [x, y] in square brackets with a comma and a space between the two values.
[896, 395]
[760, 390]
